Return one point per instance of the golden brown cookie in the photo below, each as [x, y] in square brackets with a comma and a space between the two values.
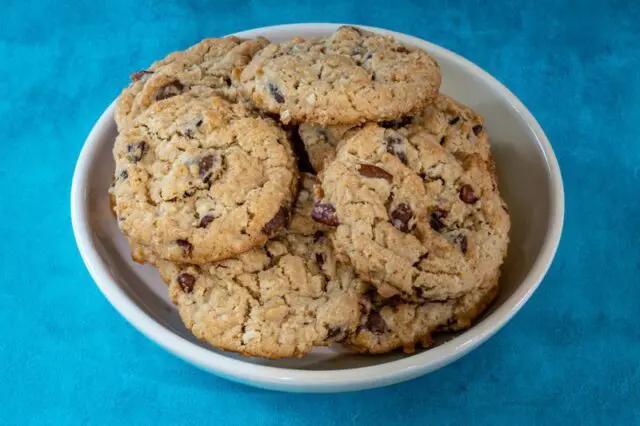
[350, 77]
[199, 179]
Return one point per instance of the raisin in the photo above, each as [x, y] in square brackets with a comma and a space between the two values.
[467, 195]
[277, 222]
[325, 213]
[367, 170]
[205, 221]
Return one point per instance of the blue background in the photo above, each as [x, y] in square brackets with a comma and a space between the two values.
[571, 355]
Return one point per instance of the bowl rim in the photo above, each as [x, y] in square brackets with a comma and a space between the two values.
[320, 380]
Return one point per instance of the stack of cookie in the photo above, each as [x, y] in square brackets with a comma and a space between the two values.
[313, 192]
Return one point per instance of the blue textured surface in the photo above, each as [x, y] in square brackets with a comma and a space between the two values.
[571, 356]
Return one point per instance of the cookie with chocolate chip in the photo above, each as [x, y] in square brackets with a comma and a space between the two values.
[457, 128]
[214, 63]
[418, 221]
[350, 77]
[279, 300]
[199, 179]
[393, 323]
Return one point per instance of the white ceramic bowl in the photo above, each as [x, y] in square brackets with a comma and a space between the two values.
[530, 182]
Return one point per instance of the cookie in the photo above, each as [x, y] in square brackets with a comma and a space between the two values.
[389, 324]
[456, 127]
[411, 217]
[280, 300]
[350, 77]
[199, 179]
[212, 63]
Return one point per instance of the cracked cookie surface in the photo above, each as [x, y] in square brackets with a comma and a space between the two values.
[199, 179]
[212, 63]
[280, 300]
[456, 127]
[415, 219]
[350, 77]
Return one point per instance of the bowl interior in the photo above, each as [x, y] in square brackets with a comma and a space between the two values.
[525, 184]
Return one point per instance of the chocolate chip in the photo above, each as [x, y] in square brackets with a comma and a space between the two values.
[401, 216]
[139, 74]
[136, 151]
[454, 120]
[395, 124]
[320, 259]
[172, 89]
[186, 281]
[277, 222]
[205, 167]
[442, 139]
[401, 49]
[436, 219]
[395, 146]
[367, 170]
[123, 174]
[186, 246]
[467, 195]
[227, 81]
[275, 92]
[205, 221]
[325, 213]
[317, 236]
[418, 292]
[477, 129]
[376, 324]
